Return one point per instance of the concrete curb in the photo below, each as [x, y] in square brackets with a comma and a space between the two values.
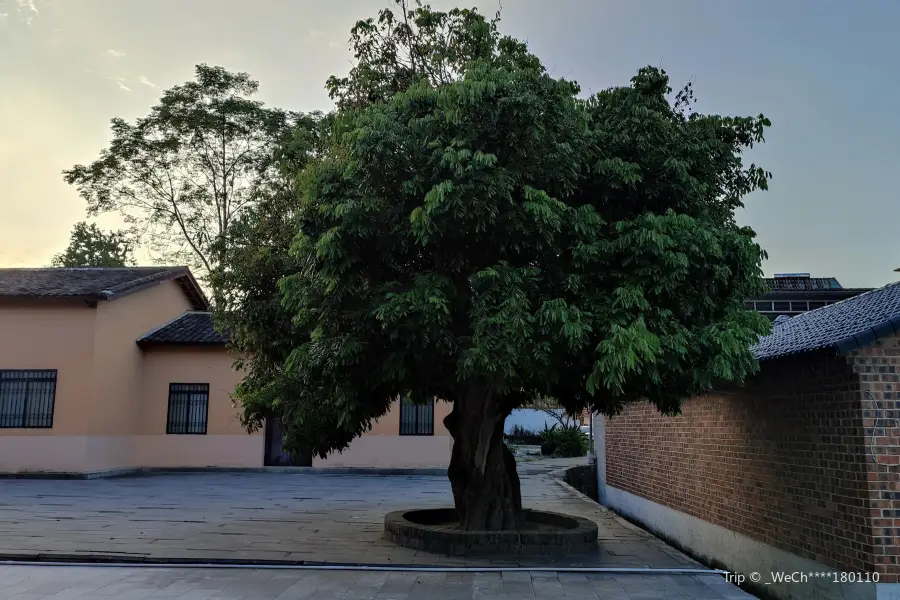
[489, 565]
[558, 477]
[149, 472]
[88, 558]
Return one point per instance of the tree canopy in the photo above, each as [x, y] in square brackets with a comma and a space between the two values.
[491, 236]
[89, 246]
[255, 257]
[181, 175]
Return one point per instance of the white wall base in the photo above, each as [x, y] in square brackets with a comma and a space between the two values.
[392, 451]
[41, 453]
[97, 453]
[175, 451]
[599, 431]
[741, 554]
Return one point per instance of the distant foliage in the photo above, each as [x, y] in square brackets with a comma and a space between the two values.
[563, 441]
[89, 246]
[519, 435]
[183, 174]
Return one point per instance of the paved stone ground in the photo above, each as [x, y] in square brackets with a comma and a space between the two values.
[258, 516]
[300, 517]
[105, 583]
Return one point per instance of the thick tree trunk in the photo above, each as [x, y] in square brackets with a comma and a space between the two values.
[482, 471]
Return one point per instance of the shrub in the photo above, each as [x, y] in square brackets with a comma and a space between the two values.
[563, 441]
[520, 435]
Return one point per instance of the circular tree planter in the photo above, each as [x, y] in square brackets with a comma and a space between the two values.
[545, 534]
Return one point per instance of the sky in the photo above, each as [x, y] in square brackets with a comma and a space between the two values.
[824, 72]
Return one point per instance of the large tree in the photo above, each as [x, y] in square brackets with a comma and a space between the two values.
[255, 257]
[90, 246]
[185, 172]
[489, 236]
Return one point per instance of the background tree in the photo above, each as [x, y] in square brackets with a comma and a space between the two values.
[185, 172]
[89, 246]
[491, 237]
[404, 46]
[255, 257]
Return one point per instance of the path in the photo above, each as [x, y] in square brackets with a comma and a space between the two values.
[300, 517]
[256, 516]
[103, 583]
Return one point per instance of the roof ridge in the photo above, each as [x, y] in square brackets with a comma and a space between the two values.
[160, 267]
[836, 303]
[141, 280]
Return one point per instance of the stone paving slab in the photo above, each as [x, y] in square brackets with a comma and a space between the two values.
[107, 583]
[310, 518]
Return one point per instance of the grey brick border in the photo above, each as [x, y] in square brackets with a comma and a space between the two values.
[148, 472]
[574, 536]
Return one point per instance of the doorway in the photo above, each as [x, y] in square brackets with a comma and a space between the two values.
[275, 455]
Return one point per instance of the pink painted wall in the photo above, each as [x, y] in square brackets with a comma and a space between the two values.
[116, 408]
[112, 397]
[383, 446]
[226, 443]
[50, 334]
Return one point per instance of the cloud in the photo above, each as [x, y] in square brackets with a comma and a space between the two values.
[115, 53]
[27, 5]
[318, 36]
[124, 87]
[147, 82]
[3, 15]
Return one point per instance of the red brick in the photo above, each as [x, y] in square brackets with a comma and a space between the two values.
[787, 460]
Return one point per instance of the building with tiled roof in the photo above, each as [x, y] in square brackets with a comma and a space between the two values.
[109, 370]
[190, 328]
[93, 284]
[798, 470]
[841, 327]
[792, 294]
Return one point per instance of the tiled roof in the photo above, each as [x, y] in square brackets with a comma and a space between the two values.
[802, 283]
[93, 282]
[842, 326]
[191, 328]
[814, 295]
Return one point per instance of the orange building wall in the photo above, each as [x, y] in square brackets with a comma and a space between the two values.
[50, 334]
[112, 397]
[226, 443]
[115, 410]
[383, 446]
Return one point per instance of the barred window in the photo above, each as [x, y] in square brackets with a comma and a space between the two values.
[188, 408]
[416, 419]
[27, 398]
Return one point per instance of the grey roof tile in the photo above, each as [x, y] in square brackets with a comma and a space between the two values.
[93, 282]
[841, 326]
[802, 283]
[191, 328]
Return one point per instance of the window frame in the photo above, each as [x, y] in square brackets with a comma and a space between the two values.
[169, 430]
[403, 401]
[54, 380]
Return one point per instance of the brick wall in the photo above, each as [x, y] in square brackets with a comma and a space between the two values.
[783, 461]
[877, 368]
